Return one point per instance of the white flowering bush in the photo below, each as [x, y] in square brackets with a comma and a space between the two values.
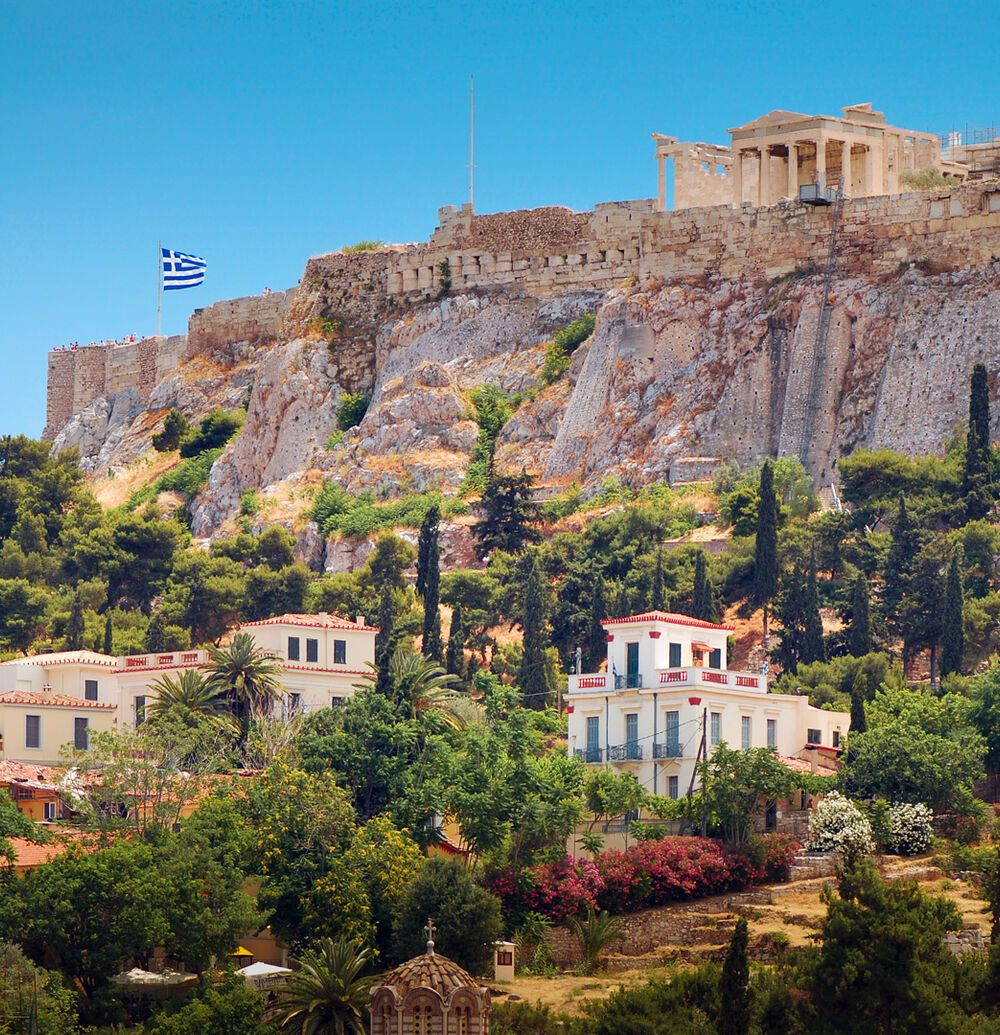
[910, 829]
[836, 824]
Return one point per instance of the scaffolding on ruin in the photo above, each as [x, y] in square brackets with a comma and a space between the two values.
[976, 147]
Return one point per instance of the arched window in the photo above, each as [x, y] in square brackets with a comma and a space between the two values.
[462, 1018]
[422, 1020]
[385, 1020]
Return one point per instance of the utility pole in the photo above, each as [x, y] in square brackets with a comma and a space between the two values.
[472, 142]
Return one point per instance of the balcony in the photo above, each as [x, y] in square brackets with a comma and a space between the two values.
[631, 752]
[590, 754]
[166, 659]
[671, 749]
[668, 679]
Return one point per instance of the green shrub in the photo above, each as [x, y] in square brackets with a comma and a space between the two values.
[250, 503]
[337, 512]
[351, 410]
[363, 246]
[187, 479]
[175, 427]
[336, 438]
[563, 345]
[492, 408]
[214, 431]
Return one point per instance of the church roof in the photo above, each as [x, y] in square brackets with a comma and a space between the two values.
[429, 970]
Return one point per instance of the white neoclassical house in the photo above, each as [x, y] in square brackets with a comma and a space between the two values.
[48, 700]
[667, 685]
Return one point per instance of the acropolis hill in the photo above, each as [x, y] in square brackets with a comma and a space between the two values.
[705, 346]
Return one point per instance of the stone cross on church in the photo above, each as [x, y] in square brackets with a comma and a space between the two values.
[429, 931]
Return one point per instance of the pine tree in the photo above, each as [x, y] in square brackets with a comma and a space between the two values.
[597, 638]
[531, 677]
[765, 558]
[108, 634]
[734, 986]
[385, 639]
[656, 598]
[155, 636]
[703, 603]
[427, 545]
[813, 648]
[977, 476]
[622, 604]
[953, 629]
[509, 512]
[859, 636]
[75, 625]
[430, 585]
[898, 581]
[455, 654]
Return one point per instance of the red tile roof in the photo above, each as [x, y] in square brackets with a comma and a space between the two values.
[28, 855]
[38, 699]
[668, 616]
[67, 657]
[318, 621]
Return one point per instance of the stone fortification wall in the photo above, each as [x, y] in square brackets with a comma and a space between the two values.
[255, 319]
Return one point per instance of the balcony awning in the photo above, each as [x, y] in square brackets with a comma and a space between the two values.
[700, 646]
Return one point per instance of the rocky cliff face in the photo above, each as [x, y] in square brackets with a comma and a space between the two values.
[707, 367]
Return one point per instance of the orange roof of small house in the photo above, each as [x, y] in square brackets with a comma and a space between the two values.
[50, 699]
[28, 855]
[317, 621]
[672, 617]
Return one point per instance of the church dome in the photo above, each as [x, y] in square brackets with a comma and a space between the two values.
[429, 970]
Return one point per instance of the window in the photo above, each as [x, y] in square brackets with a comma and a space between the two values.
[632, 735]
[675, 655]
[32, 731]
[140, 710]
[745, 735]
[673, 734]
[772, 733]
[462, 1018]
[814, 737]
[81, 739]
[49, 809]
[90, 689]
[673, 787]
[340, 652]
[715, 727]
[294, 703]
[293, 648]
[312, 650]
[337, 702]
[593, 739]
[715, 658]
[836, 738]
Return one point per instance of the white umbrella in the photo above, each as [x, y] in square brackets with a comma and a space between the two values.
[263, 975]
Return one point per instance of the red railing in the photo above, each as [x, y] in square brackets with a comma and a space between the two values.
[590, 682]
[715, 677]
[750, 681]
[191, 658]
[677, 676]
[136, 662]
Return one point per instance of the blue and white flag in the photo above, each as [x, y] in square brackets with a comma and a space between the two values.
[181, 270]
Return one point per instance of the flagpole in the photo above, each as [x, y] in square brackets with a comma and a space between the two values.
[159, 284]
[472, 142]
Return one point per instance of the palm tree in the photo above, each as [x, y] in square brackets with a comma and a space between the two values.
[188, 691]
[424, 684]
[246, 674]
[326, 996]
[594, 935]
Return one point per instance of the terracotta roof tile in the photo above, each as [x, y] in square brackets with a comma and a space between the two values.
[318, 621]
[429, 970]
[67, 657]
[667, 616]
[38, 699]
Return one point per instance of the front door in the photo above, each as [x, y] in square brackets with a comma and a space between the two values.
[632, 679]
[632, 736]
[593, 739]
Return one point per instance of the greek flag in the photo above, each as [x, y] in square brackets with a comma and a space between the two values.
[181, 270]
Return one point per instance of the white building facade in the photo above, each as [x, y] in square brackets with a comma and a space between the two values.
[323, 658]
[666, 686]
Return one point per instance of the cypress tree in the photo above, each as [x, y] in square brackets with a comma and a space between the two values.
[897, 583]
[734, 986]
[531, 677]
[107, 634]
[430, 590]
[509, 513]
[427, 545]
[622, 605]
[765, 557]
[385, 639]
[155, 637]
[791, 610]
[952, 627]
[703, 604]
[75, 625]
[813, 648]
[455, 654]
[977, 476]
[656, 599]
[859, 636]
[597, 638]
[859, 722]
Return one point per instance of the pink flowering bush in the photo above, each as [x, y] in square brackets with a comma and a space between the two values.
[650, 873]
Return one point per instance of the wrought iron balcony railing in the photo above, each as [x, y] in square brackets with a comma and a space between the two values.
[590, 754]
[625, 753]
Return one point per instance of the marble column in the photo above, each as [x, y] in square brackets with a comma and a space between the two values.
[737, 174]
[661, 183]
[764, 179]
[869, 172]
[821, 162]
[845, 167]
[793, 170]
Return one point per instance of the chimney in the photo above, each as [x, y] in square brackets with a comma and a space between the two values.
[360, 620]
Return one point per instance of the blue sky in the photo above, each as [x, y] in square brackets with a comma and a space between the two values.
[258, 134]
